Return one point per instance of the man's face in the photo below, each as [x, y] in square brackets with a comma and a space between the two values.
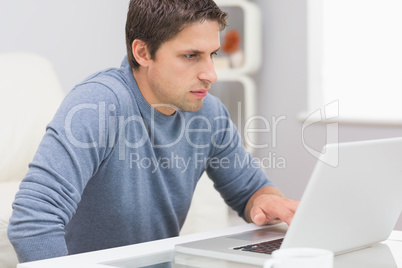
[182, 70]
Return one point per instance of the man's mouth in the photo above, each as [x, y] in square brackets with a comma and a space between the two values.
[201, 93]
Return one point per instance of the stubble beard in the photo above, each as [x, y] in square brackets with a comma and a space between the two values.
[183, 103]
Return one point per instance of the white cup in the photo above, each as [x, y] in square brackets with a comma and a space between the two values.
[301, 258]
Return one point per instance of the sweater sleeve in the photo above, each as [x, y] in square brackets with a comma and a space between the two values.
[235, 173]
[71, 151]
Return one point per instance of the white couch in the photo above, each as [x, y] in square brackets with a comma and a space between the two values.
[29, 96]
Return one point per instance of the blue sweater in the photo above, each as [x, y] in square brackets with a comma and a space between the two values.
[112, 171]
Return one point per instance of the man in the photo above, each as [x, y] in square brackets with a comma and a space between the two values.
[121, 158]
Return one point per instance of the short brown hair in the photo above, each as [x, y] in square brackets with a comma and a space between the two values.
[157, 21]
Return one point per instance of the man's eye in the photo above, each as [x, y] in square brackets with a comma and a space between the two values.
[190, 56]
[214, 54]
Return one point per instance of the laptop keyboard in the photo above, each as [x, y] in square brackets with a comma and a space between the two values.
[263, 247]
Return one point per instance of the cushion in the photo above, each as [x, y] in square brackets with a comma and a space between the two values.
[208, 211]
[30, 94]
[8, 258]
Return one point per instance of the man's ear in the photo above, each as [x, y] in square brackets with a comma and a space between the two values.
[140, 52]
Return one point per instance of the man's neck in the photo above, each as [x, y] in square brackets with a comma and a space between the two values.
[140, 76]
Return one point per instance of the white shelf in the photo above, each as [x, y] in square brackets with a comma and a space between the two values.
[252, 49]
[252, 35]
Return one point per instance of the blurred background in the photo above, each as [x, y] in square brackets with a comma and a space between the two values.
[82, 37]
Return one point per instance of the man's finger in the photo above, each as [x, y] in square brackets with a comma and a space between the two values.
[269, 208]
[260, 219]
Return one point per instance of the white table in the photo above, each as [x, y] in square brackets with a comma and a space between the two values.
[384, 255]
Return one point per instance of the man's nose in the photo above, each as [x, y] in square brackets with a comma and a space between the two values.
[208, 72]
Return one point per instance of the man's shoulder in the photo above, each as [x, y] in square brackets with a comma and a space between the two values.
[109, 83]
[111, 88]
[112, 78]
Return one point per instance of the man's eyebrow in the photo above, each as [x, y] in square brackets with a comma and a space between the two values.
[216, 50]
[196, 51]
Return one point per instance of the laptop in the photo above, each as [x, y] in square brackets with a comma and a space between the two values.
[344, 208]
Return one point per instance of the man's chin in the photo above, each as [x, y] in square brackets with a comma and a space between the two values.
[192, 108]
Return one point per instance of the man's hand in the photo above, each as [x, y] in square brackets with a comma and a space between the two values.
[269, 206]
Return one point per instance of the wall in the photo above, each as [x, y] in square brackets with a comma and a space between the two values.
[282, 84]
[79, 37]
